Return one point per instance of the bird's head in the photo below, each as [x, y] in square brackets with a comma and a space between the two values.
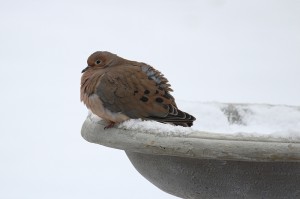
[100, 60]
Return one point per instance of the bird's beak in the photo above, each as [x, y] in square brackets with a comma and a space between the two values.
[85, 69]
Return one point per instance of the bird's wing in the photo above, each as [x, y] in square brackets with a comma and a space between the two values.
[140, 91]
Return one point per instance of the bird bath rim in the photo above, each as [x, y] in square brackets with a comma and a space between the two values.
[200, 145]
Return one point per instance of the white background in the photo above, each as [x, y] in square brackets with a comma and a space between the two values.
[226, 51]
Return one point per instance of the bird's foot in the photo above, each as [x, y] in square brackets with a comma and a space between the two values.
[110, 125]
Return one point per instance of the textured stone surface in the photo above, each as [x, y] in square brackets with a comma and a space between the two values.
[195, 145]
[203, 178]
[204, 165]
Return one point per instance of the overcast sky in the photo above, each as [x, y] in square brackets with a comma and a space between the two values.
[225, 51]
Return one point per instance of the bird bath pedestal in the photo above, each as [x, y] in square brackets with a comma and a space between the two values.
[207, 165]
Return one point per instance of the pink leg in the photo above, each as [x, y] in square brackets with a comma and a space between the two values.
[110, 125]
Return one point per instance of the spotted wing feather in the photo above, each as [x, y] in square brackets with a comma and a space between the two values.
[140, 91]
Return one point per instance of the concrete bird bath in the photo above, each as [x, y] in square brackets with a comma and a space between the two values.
[209, 165]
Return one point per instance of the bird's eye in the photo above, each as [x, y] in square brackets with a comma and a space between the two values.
[98, 62]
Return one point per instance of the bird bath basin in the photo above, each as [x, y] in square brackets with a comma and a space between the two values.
[199, 164]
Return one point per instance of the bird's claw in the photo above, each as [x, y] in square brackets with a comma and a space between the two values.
[110, 125]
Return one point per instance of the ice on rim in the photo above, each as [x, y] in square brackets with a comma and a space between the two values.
[255, 120]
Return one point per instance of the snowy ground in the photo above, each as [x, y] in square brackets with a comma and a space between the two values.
[217, 50]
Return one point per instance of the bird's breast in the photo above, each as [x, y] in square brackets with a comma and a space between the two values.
[94, 103]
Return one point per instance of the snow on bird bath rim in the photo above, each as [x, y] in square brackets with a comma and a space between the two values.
[254, 120]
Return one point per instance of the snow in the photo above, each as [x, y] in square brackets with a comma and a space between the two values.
[155, 127]
[278, 121]
[242, 51]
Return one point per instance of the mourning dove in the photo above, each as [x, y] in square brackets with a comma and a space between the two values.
[117, 89]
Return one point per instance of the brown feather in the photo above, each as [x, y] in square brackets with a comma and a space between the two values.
[129, 89]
